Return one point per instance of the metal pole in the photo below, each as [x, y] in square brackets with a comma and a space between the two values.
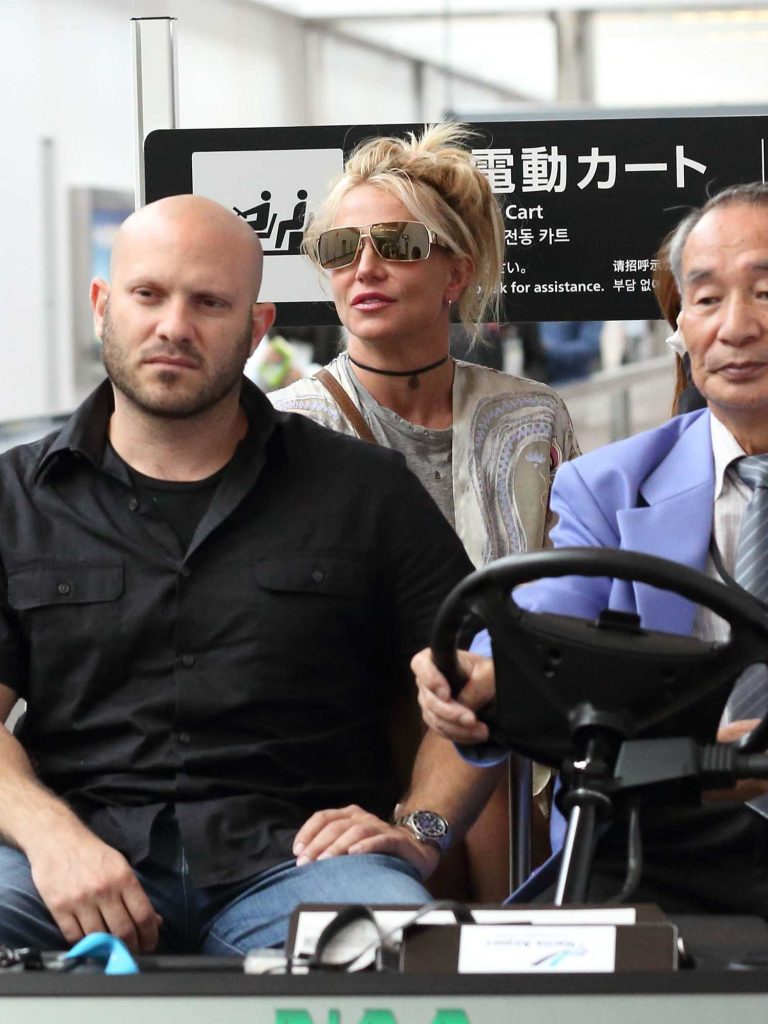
[575, 58]
[621, 415]
[521, 786]
[50, 276]
[155, 85]
[578, 849]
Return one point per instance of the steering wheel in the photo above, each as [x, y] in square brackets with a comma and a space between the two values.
[557, 675]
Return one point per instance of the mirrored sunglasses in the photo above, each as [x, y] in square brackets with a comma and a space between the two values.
[398, 240]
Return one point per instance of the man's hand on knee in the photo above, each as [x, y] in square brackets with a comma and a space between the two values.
[350, 830]
[90, 887]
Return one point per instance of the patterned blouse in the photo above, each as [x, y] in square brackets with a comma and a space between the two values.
[509, 437]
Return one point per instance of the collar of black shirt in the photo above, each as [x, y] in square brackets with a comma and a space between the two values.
[85, 432]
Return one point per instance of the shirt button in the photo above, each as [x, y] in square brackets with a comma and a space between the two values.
[318, 575]
[184, 737]
[185, 570]
[133, 504]
[64, 588]
[188, 660]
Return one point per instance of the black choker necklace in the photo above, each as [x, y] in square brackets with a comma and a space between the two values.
[413, 375]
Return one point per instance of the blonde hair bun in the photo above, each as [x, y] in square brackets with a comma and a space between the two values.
[433, 175]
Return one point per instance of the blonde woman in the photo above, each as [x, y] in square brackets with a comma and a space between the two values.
[411, 237]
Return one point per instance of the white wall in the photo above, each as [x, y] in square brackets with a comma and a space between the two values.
[517, 53]
[21, 355]
[352, 85]
[239, 65]
[678, 58]
[65, 72]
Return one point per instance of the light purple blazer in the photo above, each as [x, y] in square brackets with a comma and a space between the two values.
[652, 493]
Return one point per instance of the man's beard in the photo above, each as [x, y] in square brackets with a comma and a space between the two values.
[166, 396]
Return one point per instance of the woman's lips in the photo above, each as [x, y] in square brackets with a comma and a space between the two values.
[371, 301]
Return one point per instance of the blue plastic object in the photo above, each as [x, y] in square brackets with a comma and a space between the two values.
[112, 951]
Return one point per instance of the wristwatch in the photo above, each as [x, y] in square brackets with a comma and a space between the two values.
[427, 827]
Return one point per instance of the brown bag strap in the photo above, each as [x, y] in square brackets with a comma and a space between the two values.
[345, 404]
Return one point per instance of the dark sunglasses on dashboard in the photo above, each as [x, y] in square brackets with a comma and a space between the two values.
[397, 240]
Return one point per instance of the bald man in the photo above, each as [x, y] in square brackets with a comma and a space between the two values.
[209, 608]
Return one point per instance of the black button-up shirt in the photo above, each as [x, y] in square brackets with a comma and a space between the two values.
[247, 681]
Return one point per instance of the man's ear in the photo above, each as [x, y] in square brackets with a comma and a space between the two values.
[264, 314]
[99, 296]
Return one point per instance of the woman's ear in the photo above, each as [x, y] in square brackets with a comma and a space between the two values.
[462, 269]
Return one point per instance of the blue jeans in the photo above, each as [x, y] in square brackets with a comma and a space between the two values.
[218, 920]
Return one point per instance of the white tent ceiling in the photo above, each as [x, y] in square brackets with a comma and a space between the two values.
[516, 46]
[329, 9]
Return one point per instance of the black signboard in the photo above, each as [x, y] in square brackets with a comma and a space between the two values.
[585, 202]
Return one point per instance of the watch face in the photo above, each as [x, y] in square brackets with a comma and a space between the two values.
[430, 824]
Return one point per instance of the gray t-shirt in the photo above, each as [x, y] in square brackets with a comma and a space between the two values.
[428, 453]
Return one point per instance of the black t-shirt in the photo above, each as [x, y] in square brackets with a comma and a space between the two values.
[181, 503]
[246, 679]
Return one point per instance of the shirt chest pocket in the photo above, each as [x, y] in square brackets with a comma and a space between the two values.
[66, 603]
[317, 599]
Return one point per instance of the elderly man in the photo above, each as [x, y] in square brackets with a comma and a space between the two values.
[209, 608]
[682, 492]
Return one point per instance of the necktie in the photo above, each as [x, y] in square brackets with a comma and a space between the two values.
[749, 698]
